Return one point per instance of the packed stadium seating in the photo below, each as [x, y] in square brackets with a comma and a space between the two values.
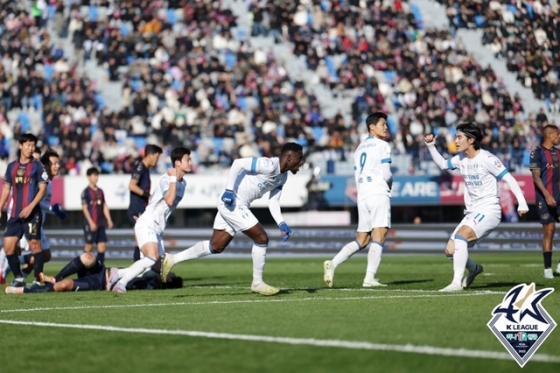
[192, 74]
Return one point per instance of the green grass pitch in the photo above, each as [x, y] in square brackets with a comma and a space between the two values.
[215, 324]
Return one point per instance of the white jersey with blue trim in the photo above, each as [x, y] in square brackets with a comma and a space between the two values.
[368, 158]
[264, 177]
[157, 212]
[481, 175]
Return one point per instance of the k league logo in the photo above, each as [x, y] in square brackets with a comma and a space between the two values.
[521, 323]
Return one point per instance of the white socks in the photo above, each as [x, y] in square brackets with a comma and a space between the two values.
[373, 260]
[259, 258]
[199, 250]
[135, 269]
[345, 253]
[460, 258]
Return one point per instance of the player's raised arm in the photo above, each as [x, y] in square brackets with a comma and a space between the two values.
[443, 164]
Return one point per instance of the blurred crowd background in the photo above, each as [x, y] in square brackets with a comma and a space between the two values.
[99, 79]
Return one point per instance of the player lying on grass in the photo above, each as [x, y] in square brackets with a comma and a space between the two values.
[92, 275]
[483, 213]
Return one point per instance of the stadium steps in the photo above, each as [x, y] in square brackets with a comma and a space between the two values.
[434, 15]
[295, 66]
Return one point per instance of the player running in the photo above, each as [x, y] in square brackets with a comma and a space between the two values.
[151, 224]
[481, 171]
[249, 179]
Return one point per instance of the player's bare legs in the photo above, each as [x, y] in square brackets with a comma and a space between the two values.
[329, 266]
[260, 244]
[548, 235]
[151, 255]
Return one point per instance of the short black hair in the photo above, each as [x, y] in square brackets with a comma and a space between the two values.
[46, 159]
[152, 149]
[92, 171]
[374, 118]
[28, 137]
[472, 131]
[178, 153]
[291, 147]
[548, 128]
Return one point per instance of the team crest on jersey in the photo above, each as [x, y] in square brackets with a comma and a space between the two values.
[521, 323]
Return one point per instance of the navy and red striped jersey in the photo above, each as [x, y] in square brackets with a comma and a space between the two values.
[95, 200]
[548, 161]
[140, 173]
[24, 179]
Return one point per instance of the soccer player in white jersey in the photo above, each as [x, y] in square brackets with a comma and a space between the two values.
[372, 171]
[481, 171]
[51, 162]
[249, 179]
[150, 225]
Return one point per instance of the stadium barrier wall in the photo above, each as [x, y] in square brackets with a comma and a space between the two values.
[203, 191]
[310, 241]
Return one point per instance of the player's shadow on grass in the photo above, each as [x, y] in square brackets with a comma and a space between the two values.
[407, 282]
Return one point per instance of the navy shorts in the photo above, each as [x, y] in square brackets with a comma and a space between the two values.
[29, 227]
[131, 214]
[547, 214]
[99, 236]
[96, 281]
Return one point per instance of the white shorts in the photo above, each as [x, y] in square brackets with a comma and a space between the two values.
[233, 219]
[481, 223]
[45, 243]
[145, 233]
[374, 212]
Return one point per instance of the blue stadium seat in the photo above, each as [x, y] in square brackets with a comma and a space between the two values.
[479, 20]
[130, 59]
[135, 84]
[241, 33]
[93, 13]
[100, 101]
[302, 141]
[48, 70]
[124, 30]
[512, 8]
[24, 121]
[107, 167]
[218, 142]
[52, 141]
[140, 141]
[392, 124]
[37, 101]
[176, 85]
[51, 11]
[242, 102]
[317, 133]
[417, 16]
[171, 16]
[530, 10]
[93, 129]
[230, 60]
[390, 76]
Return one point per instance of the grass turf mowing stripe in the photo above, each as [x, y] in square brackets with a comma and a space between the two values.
[357, 345]
[267, 300]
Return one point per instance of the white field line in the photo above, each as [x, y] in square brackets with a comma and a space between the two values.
[268, 300]
[356, 345]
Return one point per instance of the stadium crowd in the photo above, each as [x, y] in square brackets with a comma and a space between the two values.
[191, 77]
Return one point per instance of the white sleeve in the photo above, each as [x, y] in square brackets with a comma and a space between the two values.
[496, 167]
[238, 166]
[516, 190]
[164, 184]
[440, 161]
[386, 154]
[274, 205]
